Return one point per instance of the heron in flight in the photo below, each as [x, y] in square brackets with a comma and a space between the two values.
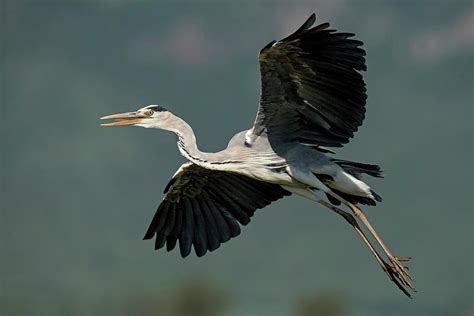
[312, 97]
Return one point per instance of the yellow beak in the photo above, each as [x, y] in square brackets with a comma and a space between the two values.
[128, 118]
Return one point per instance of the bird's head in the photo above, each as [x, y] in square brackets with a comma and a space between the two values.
[151, 116]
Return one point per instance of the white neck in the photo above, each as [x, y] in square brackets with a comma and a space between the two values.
[189, 149]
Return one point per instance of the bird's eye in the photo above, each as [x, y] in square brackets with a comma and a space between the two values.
[149, 112]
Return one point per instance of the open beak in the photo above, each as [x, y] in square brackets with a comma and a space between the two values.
[128, 118]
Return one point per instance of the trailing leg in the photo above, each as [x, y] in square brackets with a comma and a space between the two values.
[310, 194]
[400, 269]
[393, 274]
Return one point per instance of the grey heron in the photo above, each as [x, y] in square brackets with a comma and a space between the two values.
[312, 97]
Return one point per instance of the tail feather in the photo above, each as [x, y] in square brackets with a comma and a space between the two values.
[377, 197]
[354, 199]
[357, 169]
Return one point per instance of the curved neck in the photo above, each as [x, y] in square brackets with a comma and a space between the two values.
[187, 141]
[234, 158]
[188, 147]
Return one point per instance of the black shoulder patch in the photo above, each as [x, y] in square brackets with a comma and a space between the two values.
[267, 46]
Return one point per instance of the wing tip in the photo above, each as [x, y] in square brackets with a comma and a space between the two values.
[149, 234]
[200, 252]
[184, 251]
[306, 25]
[309, 22]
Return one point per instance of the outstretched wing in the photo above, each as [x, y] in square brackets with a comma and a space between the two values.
[312, 91]
[204, 208]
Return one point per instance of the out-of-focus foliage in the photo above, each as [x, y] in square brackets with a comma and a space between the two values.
[194, 297]
[197, 298]
[76, 198]
[322, 304]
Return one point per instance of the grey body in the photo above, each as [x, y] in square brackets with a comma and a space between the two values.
[313, 95]
[280, 162]
[289, 164]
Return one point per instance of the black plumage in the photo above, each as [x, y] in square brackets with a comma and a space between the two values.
[213, 235]
[233, 207]
[187, 233]
[222, 227]
[312, 91]
[204, 208]
[200, 236]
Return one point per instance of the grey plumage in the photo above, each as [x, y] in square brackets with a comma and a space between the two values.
[313, 95]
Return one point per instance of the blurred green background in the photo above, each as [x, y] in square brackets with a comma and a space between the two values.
[76, 198]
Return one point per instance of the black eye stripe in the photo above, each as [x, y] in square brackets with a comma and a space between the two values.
[157, 108]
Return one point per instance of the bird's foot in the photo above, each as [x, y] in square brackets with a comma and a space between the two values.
[398, 273]
[402, 270]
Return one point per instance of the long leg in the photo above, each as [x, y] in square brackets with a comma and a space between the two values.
[393, 275]
[403, 274]
[312, 195]
[351, 220]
